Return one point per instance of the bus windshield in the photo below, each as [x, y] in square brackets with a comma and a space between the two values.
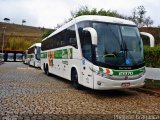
[38, 53]
[118, 45]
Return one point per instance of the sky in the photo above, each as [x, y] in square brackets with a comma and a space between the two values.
[49, 13]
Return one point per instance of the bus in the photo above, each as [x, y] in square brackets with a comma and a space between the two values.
[33, 55]
[1, 57]
[25, 57]
[97, 52]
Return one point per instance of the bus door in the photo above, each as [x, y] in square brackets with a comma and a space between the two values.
[86, 65]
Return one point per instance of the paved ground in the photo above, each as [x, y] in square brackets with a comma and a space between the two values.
[153, 73]
[27, 93]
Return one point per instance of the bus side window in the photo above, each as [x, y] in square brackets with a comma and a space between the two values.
[71, 37]
[86, 45]
[62, 43]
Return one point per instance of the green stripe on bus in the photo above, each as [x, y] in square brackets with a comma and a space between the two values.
[128, 72]
[63, 54]
[59, 54]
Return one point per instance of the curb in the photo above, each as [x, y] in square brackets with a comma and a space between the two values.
[148, 91]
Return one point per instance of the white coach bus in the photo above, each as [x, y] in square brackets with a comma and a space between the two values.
[33, 55]
[25, 57]
[98, 52]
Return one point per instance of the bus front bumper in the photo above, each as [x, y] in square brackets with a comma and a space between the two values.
[101, 83]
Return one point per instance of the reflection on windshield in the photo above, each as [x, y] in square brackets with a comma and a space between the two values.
[118, 45]
[132, 44]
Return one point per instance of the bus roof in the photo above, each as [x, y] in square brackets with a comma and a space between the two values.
[36, 44]
[92, 18]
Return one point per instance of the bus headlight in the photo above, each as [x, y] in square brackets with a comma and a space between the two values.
[102, 74]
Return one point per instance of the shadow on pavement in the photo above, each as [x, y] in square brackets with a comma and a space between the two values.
[98, 93]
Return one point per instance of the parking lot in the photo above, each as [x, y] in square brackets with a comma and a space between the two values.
[27, 93]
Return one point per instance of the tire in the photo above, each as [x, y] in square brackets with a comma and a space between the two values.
[44, 68]
[47, 70]
[74, 79]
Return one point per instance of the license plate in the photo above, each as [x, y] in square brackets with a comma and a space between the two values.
[125, 85]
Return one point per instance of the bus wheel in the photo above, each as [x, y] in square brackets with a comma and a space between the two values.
[47, 70]
[74, 79]
[44, 68]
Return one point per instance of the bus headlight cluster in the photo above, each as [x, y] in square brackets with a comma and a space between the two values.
[102, 74]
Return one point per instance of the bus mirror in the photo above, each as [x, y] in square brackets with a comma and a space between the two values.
[150, 36]
[35, 50]
[93, 33]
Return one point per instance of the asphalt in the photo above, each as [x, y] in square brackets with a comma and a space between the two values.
[26, 93]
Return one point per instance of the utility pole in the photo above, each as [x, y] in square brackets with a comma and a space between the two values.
[4, 28]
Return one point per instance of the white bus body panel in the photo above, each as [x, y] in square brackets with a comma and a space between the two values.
[107, 84]
[86, 76]
[62, 67]
[33, 61]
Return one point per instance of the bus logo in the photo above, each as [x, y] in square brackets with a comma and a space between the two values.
[125, 73]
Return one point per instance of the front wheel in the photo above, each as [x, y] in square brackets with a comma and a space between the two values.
[47, 70]
[74, 78]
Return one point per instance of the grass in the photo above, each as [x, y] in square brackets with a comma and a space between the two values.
[24, 32]
[21, 30]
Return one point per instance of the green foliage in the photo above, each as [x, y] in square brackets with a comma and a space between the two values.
[17, 43]
[47, 33]
[85, 11]
[139, 17]
[152, 56]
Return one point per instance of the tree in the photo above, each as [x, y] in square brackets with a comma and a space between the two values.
[17, 43]
[83, 10]
[141, 12]
[135, 17]
[148, 22]
[138, 17]
[47, 32]
[6, 19]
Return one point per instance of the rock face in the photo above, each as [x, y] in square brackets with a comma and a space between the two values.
[27, 93]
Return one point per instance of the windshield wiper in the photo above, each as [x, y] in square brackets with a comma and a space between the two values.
[126, 51]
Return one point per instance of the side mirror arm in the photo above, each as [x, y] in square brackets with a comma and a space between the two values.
[151, 38]
[93, 33]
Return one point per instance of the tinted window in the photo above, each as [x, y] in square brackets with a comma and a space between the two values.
[10, 57]
[85, 39]
[65, 37]
[31, 50]
[19, 56]
[71, 36]
[38, 53]
[86, 45]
